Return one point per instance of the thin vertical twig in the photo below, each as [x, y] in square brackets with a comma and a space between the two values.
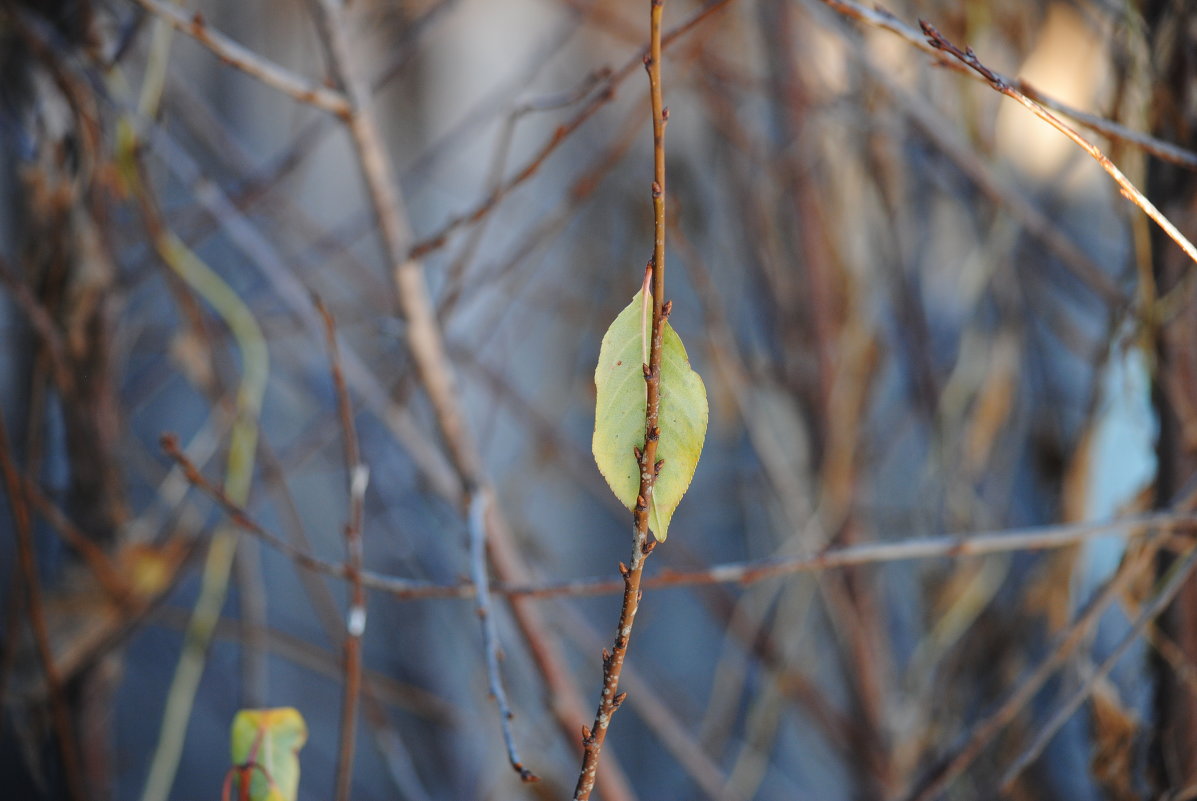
[490, 634]
[23, 528]
[642, 543]
[358, 476]
[424, 337]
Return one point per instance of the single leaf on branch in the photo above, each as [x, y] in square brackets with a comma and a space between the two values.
[622, 398]
[269, 739]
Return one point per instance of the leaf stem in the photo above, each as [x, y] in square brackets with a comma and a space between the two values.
[642, 543]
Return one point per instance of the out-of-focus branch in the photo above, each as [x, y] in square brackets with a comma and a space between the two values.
[1178, 574]
[952, 546]
[984, 732]
[357, 475]
[604, 92]
[424, 335]
[880, 18]
[490, 633]
[248, 61]
[27, 560]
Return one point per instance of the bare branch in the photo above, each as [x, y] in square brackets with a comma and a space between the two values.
[1178, 574]
[1001, 84]
[878, 17]
[248, 61]
[642, 540]
[357, 475]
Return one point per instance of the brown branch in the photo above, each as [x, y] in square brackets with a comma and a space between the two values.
[424, 336]
[239, 517]
[1179, 574]
[951, 546]
[880, 18]
[984, 732]
[251, 63]
[358, 475]
[23, 529]
[1004, 86]
[604, 93]
[642, 542]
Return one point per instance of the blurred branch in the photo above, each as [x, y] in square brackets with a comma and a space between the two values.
[604, 92]
[357, 476]
[255, 360]
[424, 335]
[1178, 573]
[953, 546]
[36, 619]
[248, 61]
[878, 17]
[490, 633]
[983, 733]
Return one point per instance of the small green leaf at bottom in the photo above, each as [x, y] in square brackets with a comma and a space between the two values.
[270, 739]
[622, 399]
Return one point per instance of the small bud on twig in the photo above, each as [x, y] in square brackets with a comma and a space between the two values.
[618, 700]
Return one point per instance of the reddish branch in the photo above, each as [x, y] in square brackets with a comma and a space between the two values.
[642, 542]
[357, 475]
[23, 528]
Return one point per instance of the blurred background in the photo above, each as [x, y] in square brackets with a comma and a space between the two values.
[918, 311]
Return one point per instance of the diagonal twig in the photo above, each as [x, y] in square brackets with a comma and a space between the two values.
[425, 339]
[1004, 86]
[1178, 575]
[248, 61]
[880, 18]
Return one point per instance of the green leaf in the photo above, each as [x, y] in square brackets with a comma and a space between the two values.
[270, 738]
[622, 398]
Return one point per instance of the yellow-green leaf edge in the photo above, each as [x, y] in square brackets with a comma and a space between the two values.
[620, 405]
[283, 732]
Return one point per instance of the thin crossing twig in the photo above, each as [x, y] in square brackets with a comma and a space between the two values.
[248, 61]
[1178, 575]
[878, 17]
[424, 336]
[1001, 84]
[948, 546]
[983, 733]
